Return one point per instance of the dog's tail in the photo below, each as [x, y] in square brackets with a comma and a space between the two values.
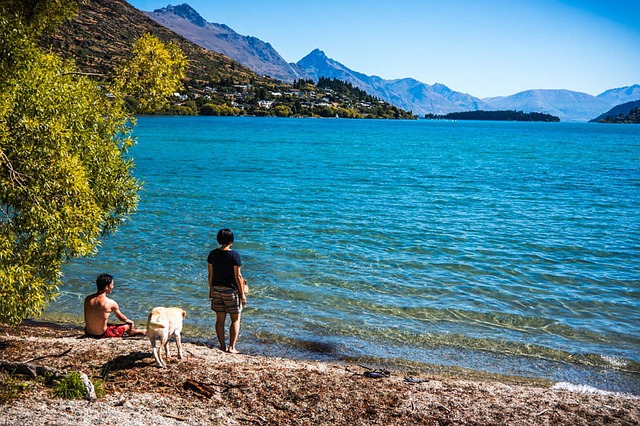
[150, 319]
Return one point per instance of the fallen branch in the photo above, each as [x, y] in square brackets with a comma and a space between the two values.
[206, 389]
[376, 373]
[259, 420]
[31, 370]
[193, 356]
[199, 387]
[171, 416]
[445, 408]
[49, 356]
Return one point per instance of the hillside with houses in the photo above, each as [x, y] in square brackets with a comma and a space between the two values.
[103, 32]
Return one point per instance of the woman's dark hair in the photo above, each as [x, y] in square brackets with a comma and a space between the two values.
[225, 237]
[103, 281]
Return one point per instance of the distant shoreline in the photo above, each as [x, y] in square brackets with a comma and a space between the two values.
[502, 115]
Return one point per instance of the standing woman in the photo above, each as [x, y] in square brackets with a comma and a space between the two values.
[226, 289]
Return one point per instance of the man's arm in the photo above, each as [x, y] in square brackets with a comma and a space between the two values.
[116, 310]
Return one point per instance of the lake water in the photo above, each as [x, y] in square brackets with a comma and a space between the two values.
[510, 248]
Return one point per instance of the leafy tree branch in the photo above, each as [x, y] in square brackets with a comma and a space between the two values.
[65, 177]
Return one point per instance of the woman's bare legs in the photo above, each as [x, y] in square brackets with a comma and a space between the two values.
[220, 318]
[234, 332]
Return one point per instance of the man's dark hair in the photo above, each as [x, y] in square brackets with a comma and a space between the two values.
[225, 237]
[103, 281]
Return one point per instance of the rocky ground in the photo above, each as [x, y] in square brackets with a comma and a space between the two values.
[210, 387]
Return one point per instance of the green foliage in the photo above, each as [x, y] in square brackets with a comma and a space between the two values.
[188, 108]
[282, 111]
[213, 109]
[39, 16]
[154, 73]
[70, 387]
[98, 387]
[65, 177]
[345, 88]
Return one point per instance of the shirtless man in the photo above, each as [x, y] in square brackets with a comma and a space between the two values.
[98, 307]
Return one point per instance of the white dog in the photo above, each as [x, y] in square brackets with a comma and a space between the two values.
[163, 323]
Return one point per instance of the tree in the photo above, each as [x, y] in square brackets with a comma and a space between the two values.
[282, 111]
[65, 177]
[155, 71]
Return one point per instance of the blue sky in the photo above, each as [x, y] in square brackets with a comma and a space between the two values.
[483, 48]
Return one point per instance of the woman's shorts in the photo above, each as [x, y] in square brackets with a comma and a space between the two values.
[225, 299]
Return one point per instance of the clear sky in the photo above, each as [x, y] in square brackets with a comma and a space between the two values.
[483, 48]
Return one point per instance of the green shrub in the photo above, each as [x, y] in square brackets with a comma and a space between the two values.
[70, 387]
[98, 386]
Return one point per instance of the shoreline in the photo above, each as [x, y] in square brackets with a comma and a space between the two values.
[254, 389]
[592, 377]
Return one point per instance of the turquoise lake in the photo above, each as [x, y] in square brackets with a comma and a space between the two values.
[510, 248]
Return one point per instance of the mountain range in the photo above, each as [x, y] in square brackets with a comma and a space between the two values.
[100, 37]
[564, 104]
[438, 99]
[406, 93]
[249, 51]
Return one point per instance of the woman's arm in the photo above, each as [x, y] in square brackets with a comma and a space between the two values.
[210, 268]
[240, 285]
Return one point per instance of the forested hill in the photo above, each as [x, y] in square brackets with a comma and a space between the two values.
[344, 88]
[626, 113]
[104, 31]
[496, 116]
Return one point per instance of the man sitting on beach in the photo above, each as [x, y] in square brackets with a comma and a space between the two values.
[98, 307]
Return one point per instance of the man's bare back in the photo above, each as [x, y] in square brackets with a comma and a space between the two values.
[97, 309]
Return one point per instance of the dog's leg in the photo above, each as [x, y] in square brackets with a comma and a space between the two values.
[179, 344]
[156, 353]
[165, 343]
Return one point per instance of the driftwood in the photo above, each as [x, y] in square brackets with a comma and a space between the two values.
[49, 356]
[88, 387]
[199, 387]
[374, 373]
[34, 370]
[171, 416]
[207, 389]
[31, 370]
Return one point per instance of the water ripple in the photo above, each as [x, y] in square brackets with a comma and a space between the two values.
[518, 240]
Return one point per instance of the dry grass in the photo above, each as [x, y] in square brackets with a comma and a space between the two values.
[259, 390]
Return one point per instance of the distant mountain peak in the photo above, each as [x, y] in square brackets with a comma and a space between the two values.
[184, 11]
[621, 95]
[249, 51]
[407, 93]
[565, 104]
[315, 54]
